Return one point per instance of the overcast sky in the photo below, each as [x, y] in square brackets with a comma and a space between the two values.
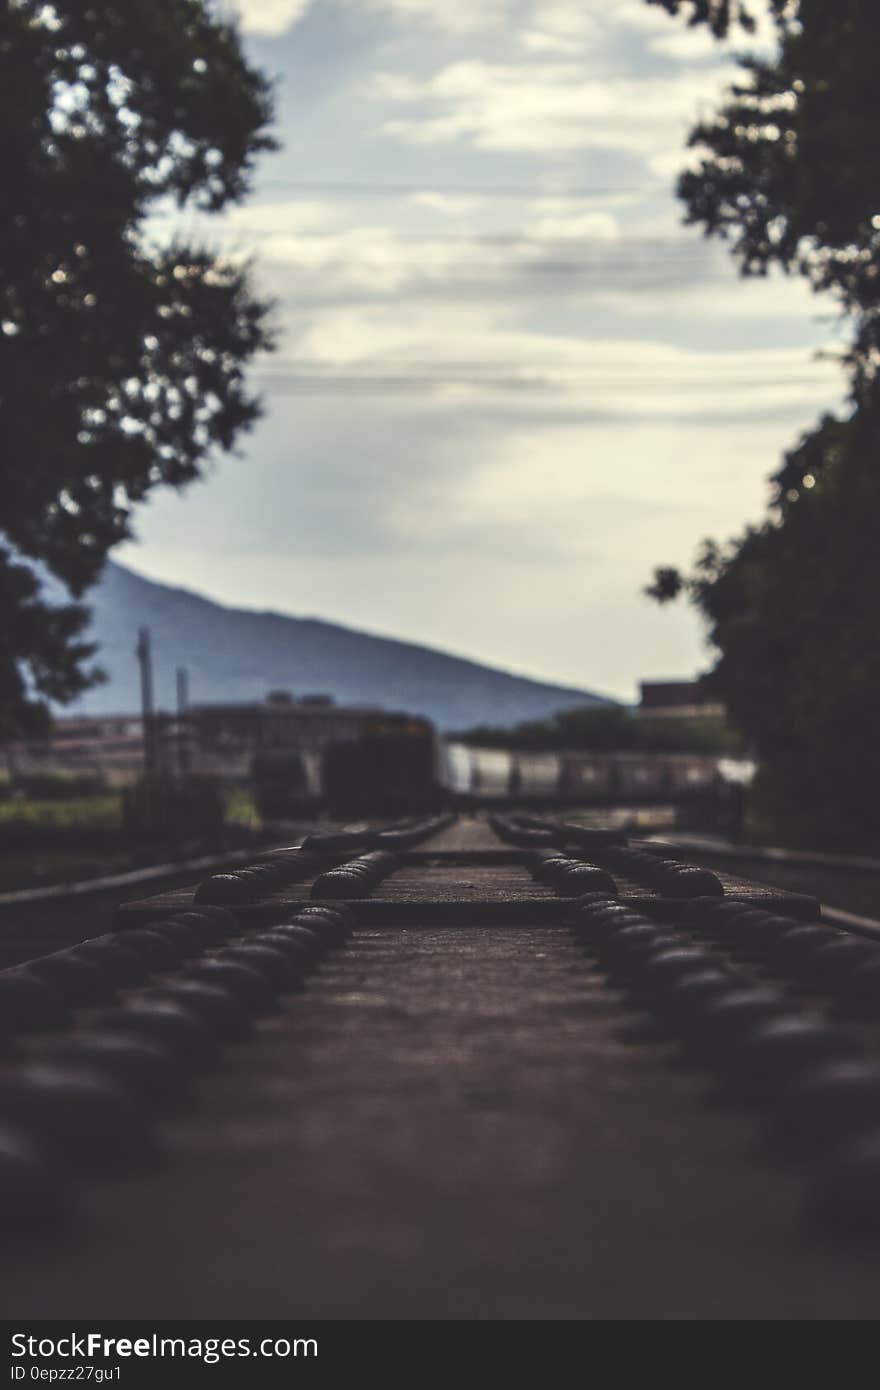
[509, 382]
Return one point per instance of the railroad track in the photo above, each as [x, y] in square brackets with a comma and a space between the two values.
[34, 921]
[485, 1068]
[848, 884]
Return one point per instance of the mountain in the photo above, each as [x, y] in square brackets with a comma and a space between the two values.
[237, 654]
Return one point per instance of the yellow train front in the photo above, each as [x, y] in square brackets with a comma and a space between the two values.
[390, 768]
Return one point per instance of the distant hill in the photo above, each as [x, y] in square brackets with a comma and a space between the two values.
[240, 654]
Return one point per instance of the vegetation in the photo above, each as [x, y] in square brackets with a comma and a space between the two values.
[42, 866]
[83, 813]
[103, 808]
[611, 728]
[787, 174]
[67, 838]
[240, 808]
[122, 360]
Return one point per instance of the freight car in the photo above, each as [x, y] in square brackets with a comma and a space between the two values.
[392, 767]
[385, 763]
[286, 782]
[494, 774]
[395, 764]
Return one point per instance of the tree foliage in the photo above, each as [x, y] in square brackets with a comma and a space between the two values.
[610, 728]
[787, 174]
[38, 640]
[122, 356]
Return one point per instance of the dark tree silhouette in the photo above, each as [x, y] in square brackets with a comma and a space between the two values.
[122, 359]
[788, 174]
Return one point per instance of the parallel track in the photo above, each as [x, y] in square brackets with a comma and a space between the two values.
[849, 885]
[475, 1118]
[34, 921]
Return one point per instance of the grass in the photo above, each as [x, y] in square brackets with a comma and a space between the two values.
[41, 868]
[659, 817]
[104, 812]
[66, 839]
[239, 805]
[94, 812]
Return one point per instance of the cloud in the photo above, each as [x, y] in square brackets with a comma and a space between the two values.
[681, 297]
[474, 357]
[270, 17]
[379, 261]
[457, 16]
[687, 45]
[564, 257]
[543, 107]
[557, 222]
[447, 204]
[281, 218]
[671, 37]
[521, 392]
[274, 17]
[373, 260]
[392, 519]
[561, 28]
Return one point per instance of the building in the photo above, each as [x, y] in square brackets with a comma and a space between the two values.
[223, 739]
[212, 740]
[677, 700]
[109, 746]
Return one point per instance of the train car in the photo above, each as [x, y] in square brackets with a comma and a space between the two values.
[477, 774]
[585, 777]
[456, 769]
[604, 778]
[536, 776]
[285, 783]
[693, 775]
[492, 776]
[391, 767]
[387, 763]
[639, 776]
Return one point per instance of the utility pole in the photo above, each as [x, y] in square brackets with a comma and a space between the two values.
[182, 720]
[144, 656]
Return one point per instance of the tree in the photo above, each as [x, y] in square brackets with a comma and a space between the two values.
[122, 358]
[608, 728]
[787, 174]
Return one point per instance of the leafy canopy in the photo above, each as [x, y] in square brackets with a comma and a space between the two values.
[786, 171]
[122, 360]
[609, 728]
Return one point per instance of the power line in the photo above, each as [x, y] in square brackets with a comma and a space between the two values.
[294, 382]
[501, 239]
[395, 190]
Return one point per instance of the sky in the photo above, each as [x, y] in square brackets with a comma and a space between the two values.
[509, 381]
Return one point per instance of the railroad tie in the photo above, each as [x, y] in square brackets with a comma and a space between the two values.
[379, 1025]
